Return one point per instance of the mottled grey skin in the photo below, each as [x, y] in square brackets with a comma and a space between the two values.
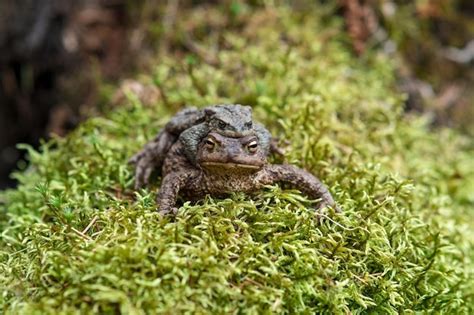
[190, 126]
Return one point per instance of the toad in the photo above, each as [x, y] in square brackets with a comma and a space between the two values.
[219, 154]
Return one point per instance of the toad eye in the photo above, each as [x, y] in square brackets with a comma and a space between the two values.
[221, 124]
[210, 144]
[248, 125]
[252, 146]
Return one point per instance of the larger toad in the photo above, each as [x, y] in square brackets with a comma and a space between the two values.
[217, 161]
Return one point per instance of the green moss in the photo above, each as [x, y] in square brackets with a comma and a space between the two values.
[404, 242]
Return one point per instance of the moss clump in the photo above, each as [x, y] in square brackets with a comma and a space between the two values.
[77, 238]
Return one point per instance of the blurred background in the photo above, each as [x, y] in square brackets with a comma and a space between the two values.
[62, 61]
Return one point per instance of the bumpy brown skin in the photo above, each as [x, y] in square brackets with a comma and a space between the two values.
[224, 165]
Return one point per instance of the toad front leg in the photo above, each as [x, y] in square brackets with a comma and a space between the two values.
[169, 190]
[299, 179]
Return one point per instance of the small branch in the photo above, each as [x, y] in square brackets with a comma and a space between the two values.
[79, 233]
[94, 219]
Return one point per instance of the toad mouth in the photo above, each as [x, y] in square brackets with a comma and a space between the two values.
[231, 165]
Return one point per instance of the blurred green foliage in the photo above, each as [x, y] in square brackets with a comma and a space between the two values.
[76, 238]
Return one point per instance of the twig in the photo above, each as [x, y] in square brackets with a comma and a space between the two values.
[84, 236]
[94, 219]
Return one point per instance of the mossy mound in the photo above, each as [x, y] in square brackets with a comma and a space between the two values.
[77, 238]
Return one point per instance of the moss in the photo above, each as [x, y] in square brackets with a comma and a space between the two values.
[77, 238]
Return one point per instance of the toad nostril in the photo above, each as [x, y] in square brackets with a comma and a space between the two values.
[234, 152]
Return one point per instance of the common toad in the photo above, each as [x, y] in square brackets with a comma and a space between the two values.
[218, 154]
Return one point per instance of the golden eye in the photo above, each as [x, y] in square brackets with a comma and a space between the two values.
[209, 143]
[252, 146]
